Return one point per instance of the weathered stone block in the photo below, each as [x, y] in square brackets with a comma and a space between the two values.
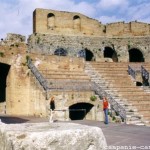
[54, 136]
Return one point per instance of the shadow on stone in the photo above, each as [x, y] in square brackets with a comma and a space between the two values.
[10, 120]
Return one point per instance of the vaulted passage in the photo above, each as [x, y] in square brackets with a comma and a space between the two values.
[4, 69]
[87, 54]
[78, 111]
[110, 53]
[135, 55]
[60, 52]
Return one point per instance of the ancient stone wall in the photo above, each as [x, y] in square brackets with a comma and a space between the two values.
[47, 44]
[55, 22]
[72, 32]
[69, 23]
[128, 29]
[15, 37]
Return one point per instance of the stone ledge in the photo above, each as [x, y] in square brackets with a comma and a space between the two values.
[54, 136]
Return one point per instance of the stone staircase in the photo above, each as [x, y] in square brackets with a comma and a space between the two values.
[114, 80]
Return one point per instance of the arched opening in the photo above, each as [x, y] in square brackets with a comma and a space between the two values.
[81, 53]
[4, 69]
[78, 111]
[60, 52]
[87, 54]
[110, 53]
[76, 23]
[135, 55]
[50, 21]
[139, 83]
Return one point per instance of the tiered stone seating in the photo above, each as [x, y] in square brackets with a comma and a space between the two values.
[73, 75]
[66, 75]
[122, 86]
[67, 82]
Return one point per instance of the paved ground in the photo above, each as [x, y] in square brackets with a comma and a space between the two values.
[116, 134]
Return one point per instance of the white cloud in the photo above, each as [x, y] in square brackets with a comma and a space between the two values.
[112, 4]
[84, 8]
[107, 19]
[140, 12]
[16, 17]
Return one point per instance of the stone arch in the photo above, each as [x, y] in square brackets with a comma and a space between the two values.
[77, 23]
[87, 54]
[135, 55]
[110, 53]
[50, 21]
[4, 68]
[79, 110]
[60, 52]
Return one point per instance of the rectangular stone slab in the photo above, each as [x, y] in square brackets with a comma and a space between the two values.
[51, 136]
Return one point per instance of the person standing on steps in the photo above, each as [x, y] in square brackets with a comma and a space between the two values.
[52, 108]
[105, 109]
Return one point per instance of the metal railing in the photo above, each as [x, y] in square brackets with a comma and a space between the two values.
[145, 76]
[37, 74]
[114, 104]
[131, 72]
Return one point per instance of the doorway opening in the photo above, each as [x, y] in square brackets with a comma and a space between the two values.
[4, 69]
[135, 55]
[87, 54]
[78, 111]
[110, 53]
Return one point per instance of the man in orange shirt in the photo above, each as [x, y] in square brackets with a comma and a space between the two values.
[105, 108]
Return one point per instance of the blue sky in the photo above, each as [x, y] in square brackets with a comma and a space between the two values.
[16, 15]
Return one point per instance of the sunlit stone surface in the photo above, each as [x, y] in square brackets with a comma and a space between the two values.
[54, 136]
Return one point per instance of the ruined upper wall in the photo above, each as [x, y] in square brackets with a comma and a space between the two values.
[68, 23]
[128, 29]
[56, 22]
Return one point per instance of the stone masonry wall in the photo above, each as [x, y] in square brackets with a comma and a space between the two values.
[69, 23]
[47, 44]
[56, 22]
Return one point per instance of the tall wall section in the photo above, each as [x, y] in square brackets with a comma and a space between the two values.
[68, 23]
[56, 22]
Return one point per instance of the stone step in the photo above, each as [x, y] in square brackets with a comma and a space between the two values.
[135, 122]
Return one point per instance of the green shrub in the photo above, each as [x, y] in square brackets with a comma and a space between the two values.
[113, 118]
[93, 98]
[1, 54]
